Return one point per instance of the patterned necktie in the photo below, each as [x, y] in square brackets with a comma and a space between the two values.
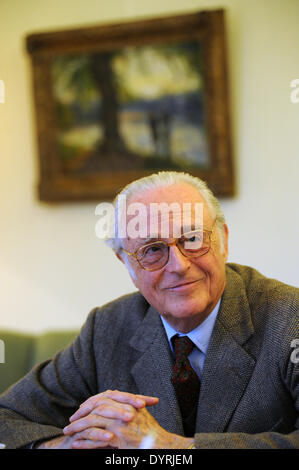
[186, 382]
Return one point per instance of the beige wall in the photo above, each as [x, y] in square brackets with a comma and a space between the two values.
[53, 269]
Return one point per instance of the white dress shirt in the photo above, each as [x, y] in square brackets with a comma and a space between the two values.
[200, 336]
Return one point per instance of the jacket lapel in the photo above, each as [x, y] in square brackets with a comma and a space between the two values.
[228, 367]
[152, 371]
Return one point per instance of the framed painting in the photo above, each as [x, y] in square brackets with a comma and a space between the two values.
[118, 102]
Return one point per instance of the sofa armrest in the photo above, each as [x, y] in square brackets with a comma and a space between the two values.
[23, 351]
[19, 350]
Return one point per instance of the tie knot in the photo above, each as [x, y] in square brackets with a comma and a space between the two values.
[182, 346]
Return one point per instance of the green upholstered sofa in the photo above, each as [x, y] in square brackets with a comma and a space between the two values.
[20, 352]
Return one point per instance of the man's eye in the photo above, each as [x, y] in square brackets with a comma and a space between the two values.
[193, 238]
[152, 250]
[192, 242]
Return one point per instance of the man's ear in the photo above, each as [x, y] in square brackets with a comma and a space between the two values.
[119, 257]
[225, 240]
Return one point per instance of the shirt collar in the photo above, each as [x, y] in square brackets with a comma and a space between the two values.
[200, 335]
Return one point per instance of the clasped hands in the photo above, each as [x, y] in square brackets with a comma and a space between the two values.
[115, 419]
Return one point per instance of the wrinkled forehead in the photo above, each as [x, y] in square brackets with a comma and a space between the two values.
[167, 213]
[163, 220]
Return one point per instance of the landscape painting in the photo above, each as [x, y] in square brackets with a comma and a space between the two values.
[137, 107]
[116, 102]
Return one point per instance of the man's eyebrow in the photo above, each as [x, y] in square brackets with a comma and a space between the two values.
[145, 241]
[192, 228]
[184, 230]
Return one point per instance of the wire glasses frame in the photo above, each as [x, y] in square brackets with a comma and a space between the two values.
[158, 257]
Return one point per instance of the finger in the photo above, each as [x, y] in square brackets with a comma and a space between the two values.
[105, 407]
[115, 411]
[101, 417]
[88, 405]
[94, 434]
[138, 401]
[88, 444]
[89, 421]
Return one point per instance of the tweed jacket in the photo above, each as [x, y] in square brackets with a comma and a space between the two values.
[249, 396]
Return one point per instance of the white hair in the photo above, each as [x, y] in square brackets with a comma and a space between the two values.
[162, 179]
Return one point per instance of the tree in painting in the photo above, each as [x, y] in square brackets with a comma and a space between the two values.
[138, 107]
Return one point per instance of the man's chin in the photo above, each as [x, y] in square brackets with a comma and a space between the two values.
[184, 312]
[184, 322]
[189, 306]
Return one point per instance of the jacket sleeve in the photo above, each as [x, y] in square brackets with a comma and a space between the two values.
[281, 437]
[39, 405]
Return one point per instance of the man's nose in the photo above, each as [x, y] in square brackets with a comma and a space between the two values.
[177, 262]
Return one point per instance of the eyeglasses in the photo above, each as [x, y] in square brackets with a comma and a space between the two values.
[155, 255]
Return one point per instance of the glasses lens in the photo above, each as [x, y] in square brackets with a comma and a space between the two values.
[153, 256]
[195, 243]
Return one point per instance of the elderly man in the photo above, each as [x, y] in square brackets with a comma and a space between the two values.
[201, 356]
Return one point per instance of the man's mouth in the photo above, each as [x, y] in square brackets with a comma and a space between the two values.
[184, 285]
